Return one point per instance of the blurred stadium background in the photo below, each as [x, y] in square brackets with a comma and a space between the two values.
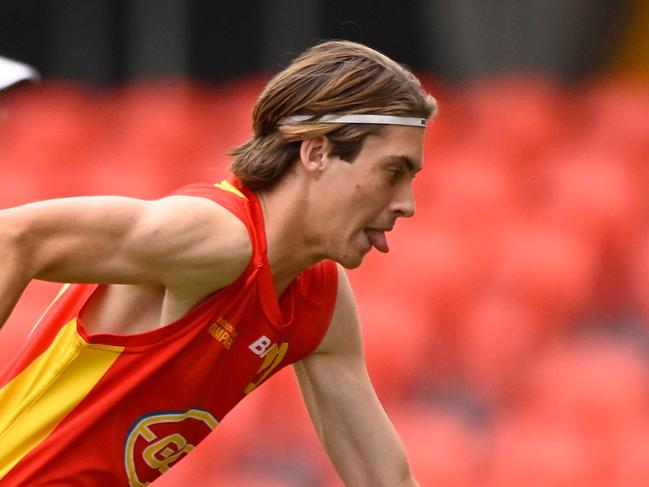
[508, 330]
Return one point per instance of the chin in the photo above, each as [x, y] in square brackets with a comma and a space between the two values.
[350, 255]
[351, 261]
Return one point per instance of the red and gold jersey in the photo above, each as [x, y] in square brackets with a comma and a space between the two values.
[79, 409]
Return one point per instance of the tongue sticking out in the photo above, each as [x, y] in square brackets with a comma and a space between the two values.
[378, 240]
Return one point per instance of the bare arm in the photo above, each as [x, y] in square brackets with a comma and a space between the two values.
[346, 413]
[13, 278]
[180, 242]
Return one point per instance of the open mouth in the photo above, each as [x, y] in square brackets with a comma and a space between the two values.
[377, 239]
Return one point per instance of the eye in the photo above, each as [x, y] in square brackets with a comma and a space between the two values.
[395, 173]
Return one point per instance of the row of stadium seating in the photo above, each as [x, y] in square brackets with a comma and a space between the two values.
[507, 332]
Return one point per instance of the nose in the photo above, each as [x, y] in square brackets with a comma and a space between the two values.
[404, 202]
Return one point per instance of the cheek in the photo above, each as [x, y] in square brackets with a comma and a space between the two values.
[368, 195]
[361, 190]
[360, 196]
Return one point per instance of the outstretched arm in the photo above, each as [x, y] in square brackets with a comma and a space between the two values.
[178, 242]
[346, 413]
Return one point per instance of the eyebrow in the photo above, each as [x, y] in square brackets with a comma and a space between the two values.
[410, 164]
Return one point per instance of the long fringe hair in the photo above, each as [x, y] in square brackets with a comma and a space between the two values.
[332, 77]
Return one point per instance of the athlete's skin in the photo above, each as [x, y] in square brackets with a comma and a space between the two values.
[163, 257]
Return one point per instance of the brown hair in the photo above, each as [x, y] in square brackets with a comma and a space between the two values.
[331, 77]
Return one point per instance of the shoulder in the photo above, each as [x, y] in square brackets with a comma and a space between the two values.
[212, 245]
[190, 212]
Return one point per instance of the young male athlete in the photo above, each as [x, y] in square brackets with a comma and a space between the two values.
[184, 305]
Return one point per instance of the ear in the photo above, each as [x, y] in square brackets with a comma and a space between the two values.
[314, 154]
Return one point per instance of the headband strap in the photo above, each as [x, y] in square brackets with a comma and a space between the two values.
[356, 118]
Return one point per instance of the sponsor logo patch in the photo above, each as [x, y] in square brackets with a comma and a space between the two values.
[223, 332]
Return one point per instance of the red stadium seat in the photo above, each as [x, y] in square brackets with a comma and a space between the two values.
[499, 338]
[581, 405]
[432, 270]
[282, 422]
[547, 268]
[395, 338]
[591, 192]
[228, 116]
[526, 452]
[160, 126]
[47, 136]
[613, 114]
[523, 115]
[419, 292]
[448, 126]
[640, 277]
[632, 458]
[595, 387]
[247, 479]
[443, 451]
[222, 478]
[167, 114]
[18, 188]
[467, 190]
[152, 142]
[594, 195]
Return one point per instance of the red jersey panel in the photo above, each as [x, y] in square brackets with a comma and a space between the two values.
[79, 409]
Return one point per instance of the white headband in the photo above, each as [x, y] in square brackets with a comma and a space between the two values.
[357, 118]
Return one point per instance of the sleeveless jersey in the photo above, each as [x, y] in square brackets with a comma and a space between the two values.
[80, 409]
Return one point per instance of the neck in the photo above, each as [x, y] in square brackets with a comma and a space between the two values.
[290, 251]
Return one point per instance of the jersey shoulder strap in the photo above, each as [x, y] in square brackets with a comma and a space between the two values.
[225, 193]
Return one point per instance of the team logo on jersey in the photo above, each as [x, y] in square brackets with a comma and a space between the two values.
[223, 332]
[159, 440]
